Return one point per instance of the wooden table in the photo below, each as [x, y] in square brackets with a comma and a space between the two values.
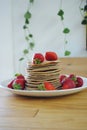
[54, 113]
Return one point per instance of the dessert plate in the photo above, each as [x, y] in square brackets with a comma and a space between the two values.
[41, 93]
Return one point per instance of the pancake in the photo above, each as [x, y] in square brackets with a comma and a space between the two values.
[38, 73]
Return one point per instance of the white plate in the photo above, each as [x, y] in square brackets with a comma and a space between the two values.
[40, 93]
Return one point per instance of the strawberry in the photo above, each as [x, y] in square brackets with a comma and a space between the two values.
[62, 78]
[49, 86]
[68, 84]
[38, 58]
[79, 82]
[46, 86]
[73, 77]
[51, 56]
[18, 84]
[20, 76]
[10, 84]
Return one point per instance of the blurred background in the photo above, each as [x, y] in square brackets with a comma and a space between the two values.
[46, 27]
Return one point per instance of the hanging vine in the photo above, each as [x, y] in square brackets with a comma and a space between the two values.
[66, 30]
[28, 35]
[83, 11]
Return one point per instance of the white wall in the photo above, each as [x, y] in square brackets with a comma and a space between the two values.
[6, 46]
[46, 28]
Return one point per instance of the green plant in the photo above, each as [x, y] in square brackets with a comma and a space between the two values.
[66, 30]
[28, 35]
[83, 11]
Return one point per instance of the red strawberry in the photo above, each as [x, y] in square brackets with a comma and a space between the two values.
[38, 58]
[51, 56]
[10, 84]
[62, 78]
[18, 84]
[68, 84]
[73, 77]
[20, 76]
[49, 86]
[79, 82]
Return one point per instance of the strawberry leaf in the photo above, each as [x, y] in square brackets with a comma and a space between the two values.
[17, 86]
[37, 61]
[41, 87]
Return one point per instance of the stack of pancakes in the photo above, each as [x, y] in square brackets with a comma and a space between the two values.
[38, 73]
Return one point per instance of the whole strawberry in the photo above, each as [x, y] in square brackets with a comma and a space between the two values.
[51, 56]
[73, 77]
[19, 84]
[46, 86]
[68, 84]
[10, 84]
[79, 82]
[38, 58]
[62, 78]
[20, 76]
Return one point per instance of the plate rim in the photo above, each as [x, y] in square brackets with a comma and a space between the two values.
[42, 93]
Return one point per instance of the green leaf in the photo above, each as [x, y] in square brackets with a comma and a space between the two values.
[27, 15]
[31, 1]
[81, 9]
[84, 22]
[26, 21]
[27, 38]
[66, 30]
[67, 53]
[17, 74]
[31, 45]
[22, 58]
[41, 87]
[25, 51]
[66, 41]
[30, 35]
[61, 14]
[24, 27]
[85, 8]
[17, 86]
